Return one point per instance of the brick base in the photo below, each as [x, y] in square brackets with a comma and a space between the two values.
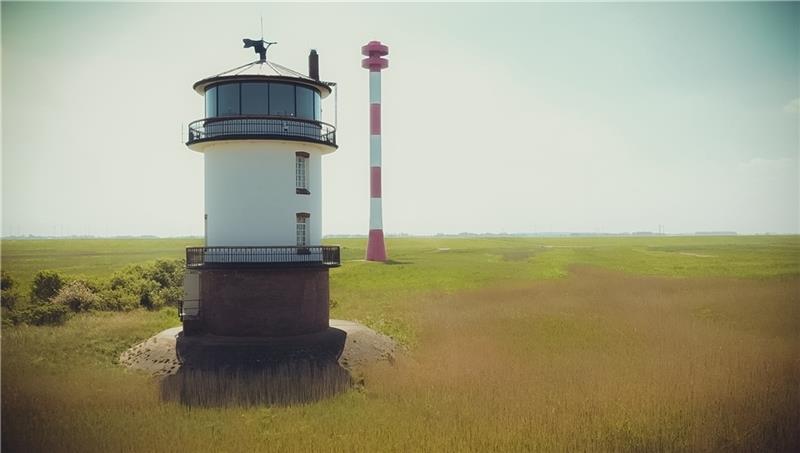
[263, 302]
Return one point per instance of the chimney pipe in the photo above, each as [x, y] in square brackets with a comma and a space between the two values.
[313, 65]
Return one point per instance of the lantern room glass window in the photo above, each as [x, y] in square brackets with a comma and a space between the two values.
[262, 98]
[317, 107]
[211, 102]
[281, 99]
[305, 103]
[228, 99]
[255, 98]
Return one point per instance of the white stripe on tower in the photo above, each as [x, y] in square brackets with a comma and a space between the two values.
[374, 51]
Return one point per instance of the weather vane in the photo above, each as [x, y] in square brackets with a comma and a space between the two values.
[260, 46]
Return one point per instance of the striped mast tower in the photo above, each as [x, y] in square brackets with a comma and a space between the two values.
[375, 51]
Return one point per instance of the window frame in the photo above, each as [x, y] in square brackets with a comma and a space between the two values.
[301, 156]
[301, 219]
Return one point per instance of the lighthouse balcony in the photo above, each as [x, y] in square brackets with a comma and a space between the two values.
[261, 128]
[262, 257]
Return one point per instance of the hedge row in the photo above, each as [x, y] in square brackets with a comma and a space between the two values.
[54, 297]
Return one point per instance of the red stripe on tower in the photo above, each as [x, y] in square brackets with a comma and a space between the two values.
[375, 119]
[375, 182]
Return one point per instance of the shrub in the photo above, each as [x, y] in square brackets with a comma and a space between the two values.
[9, 295]
[133, 284]
[117, 300]
[171, 296]
[9, 299]
[6, 282]
[153, 286]
[77, 296]
[95, 284]
[42, 314]
[46, 285]
[168, 274]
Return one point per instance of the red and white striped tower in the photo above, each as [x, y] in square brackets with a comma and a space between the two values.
[374, 51]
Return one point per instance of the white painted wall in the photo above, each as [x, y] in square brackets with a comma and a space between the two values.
[375, 216]
[250, 194]
[374, 87]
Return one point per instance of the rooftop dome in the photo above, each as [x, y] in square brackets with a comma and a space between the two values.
[264, 70]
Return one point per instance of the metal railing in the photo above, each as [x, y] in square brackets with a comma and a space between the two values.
[249, 127]
[276, 256]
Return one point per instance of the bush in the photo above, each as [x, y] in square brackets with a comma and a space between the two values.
[46, 285]
[42, 314]
[167, 274]
[95, 284]
[77, 296]
[6, 282]
[9, 295]
[153, 286]
[171, 296]
[10, 298]
[132, 283]
[117, 300]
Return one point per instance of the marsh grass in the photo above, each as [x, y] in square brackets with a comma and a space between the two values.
[503, 356]
[607, 362]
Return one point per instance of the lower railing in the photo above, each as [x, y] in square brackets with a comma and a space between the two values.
[276, 256]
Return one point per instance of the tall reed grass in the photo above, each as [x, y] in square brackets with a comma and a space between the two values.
[286, 383]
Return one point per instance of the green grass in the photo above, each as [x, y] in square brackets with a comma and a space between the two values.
[378, 295]
[89, 257]
[514, 344]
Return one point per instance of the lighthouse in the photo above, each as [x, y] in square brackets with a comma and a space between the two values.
[375, 51]
[262, 273]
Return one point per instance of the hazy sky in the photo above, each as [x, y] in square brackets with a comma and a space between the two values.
[496, 118]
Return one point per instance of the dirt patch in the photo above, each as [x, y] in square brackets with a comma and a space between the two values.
[697, 255]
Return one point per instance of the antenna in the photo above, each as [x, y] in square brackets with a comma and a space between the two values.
[262, 27]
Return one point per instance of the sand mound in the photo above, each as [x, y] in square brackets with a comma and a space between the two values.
[363, 346]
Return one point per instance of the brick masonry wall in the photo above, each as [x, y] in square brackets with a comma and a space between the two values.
[264, 302]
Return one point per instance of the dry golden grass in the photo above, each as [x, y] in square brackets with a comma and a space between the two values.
[604, 361]
[295, 382]
[598, 361]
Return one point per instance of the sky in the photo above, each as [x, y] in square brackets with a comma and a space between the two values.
[600, 118]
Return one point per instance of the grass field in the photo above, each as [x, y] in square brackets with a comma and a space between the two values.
[513, 344]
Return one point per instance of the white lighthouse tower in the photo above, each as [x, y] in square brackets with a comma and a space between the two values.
[263, 272]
